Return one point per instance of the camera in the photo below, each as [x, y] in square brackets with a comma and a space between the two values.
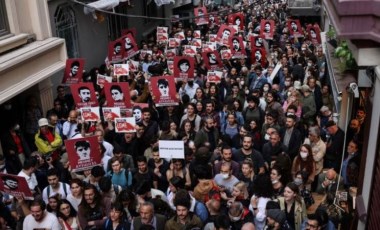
[353, 88]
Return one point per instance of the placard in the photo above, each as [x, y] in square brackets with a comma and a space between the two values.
[164, 91]
[15, 186]
[90, 114]
[84, 95]
[111, 113]
[125, 125]
[73, 71]
[83, 153]
[117, 94]
[171, 149]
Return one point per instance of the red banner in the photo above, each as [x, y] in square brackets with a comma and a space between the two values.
[117, 94]
[164, 91]
[183, 67]
[84, 95]
[15, 186]
[73, 71]
[267, 29]
[116, 51]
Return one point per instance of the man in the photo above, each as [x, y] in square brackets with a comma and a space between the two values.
[316, 91]
[227, 157]
[93, 210]
[27, 172]
[116, 93]
[257, 78]
[273, 148]
[163, 87]
[188, 88]
[247, 151]
[293, 25]
[239, 215]
[351, 165]
[291, 137]
[74, 68]
[144, 173]
[225, 180]
[84, 94]
[119, 175]
[354, 131]
[207, 135]
[125, 159]
[183, 218]
[159, 167]
[236, 44]
[151, 127]
[334, 146]
[39, 218]
[55, 187]
[210, 112]
[69, 126]
[148, 217]
[328, 182]
[83, 150]
[117, 48]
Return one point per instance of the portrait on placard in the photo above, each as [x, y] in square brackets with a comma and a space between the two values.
[136, 111]
[236, 19]
[117, 94]
[73, 71]
[90, 114]
[15, 186]
[125, 125]
[258, 55]
[257, 42]
[111, 112]
[183, 67]
[201, 17]
[164, 91]
[116, 51]
[224, 33]
[120, 69]
[314, 34]
[83, 153]
[237, 47]
[212, 60]
[267, 29]
[295, 28]
[133, 66]
[213, 19]
[226, 54]
[214, 76]
[130, 46]
[84, 95]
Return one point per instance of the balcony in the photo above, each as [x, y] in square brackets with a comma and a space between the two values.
[304, 7]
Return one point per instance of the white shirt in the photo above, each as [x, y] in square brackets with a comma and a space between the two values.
[49, 221]
[52, 192]
[68, 129]
[190, 91]
[31, 180]
[109, 148]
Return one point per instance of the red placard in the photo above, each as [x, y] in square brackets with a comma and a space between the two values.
[212, 60]
[237, 47]
[214, 76]
[314, 34]
[213, 19]
[224, 33]
[131, 31]
[201, 17]
[84, 95]
[117, 94]
[73, 71]
[15, 186]
[183, 67]
[295, 28]
[258, 55]
[125, 125]
[236, 19]
[130, 46]
[226, 54]
[164, 91]
[267, 29]
[111, 113]
[116, 51]
[257, 42]
[90, 114]
[83, 153]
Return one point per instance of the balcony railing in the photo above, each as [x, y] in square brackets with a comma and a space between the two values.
[303, 3]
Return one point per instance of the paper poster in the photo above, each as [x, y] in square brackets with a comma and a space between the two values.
[183, 67]
[214, 76]
[174, 42]
[84, 95]
[197, 42]
[314, 34]
[201, 17]
[136, 111]
[133, 66]
[226, 54]
[258, 55]
[237, 19]
[130, 46]
[267, 29]
[120, 69]
[117, 94]
[295, 28]
[170, 54]
[111, 113]
[73, 71]
[102, 79]
[90, 114]
[116, 51]
[224, 34]
[212, 60]
[164, 91]
[180, 36]
[237, 47]
[15, 186]
[197, 34]
[171, 149]
[125, 125]
[190, 50]
[257, 42]
[83, 153]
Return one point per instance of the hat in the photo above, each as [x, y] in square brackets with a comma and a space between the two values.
[277, 215]
[330, 123]
[324, 109]
[297, 84]
[43, 122]
[305, 88]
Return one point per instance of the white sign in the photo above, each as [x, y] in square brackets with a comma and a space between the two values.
[275, 70]
[172, 149]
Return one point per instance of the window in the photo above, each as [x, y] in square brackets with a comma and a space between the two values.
[150, 9]
[4, 27]
[66, 28]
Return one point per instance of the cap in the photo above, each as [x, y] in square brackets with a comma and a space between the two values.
[330, 123]
[277, 215]
[305, 88]
[43, 122]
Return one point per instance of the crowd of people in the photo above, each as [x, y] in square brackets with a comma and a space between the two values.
[257, 148]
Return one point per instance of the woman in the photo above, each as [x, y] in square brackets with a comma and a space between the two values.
[186, 132]
[117, 219]
[231, 127]
[277, 181]
[192, 116]
[148, 61]
[238, 108]
[52, 205]
[294, 99]
[255, 132]
[263, 192]
[76, 195]
[240, 193]
[247, 175]
[214, 95]
[178, 168]
[199, 108]
[199, 95]
[300, 180]
[293, 205]
[166, 133]
[67, 216]
[236, 94]
[304, 162]
[129, 203]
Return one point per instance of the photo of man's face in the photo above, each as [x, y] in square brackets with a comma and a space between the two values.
[258, 55]
[294, 26]
[184, 67]
[85, 94]
[313, 34]
[212, 58]
[237, 21]
[226, 33]
[116, 95]
[267, 27]
[83, 150]
[259, 42]
[236, 44]
[10, 183]
[164, 89]
[137, 114]
[117, 48]
[74, 69]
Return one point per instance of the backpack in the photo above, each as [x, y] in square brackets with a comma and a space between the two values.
[64, 189]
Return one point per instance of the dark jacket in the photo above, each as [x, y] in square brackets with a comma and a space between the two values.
[294, 142]
[160, 222]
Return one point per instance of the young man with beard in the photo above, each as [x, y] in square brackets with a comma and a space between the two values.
[144, 173]
[227, 157]
[151, 127]
[247, 151]
[159, 168]
[208, 134]
[291, 137]
[39, 218]
[55, 187]
[273, 148]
